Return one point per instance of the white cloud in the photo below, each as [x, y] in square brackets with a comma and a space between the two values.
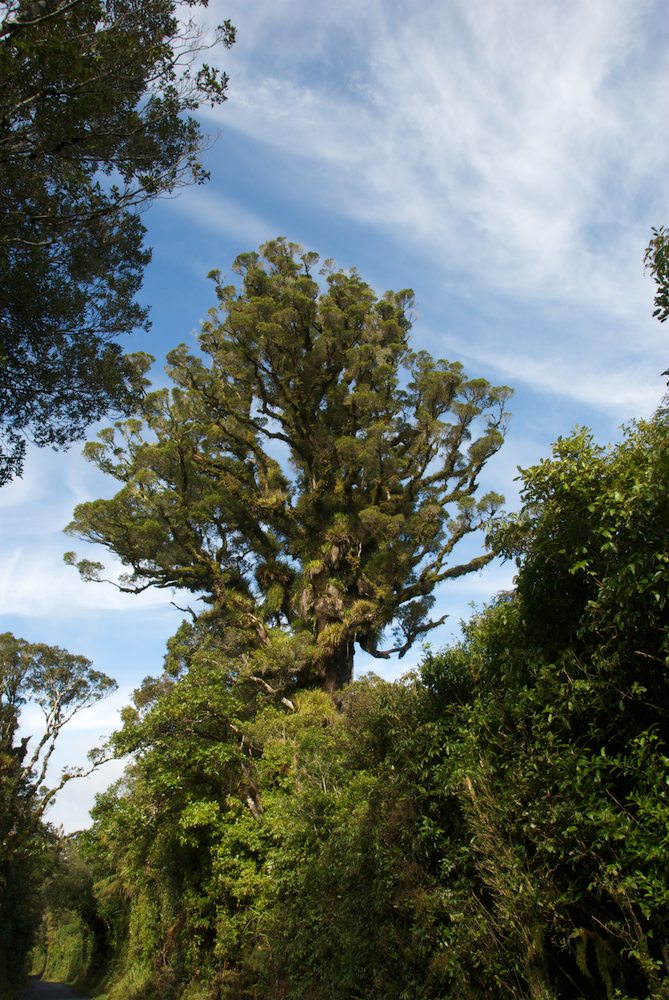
[102, 717]
[588, 379]
[35, 583]
[34, 580]
[71, 808]
[517, 144]
[224, 215]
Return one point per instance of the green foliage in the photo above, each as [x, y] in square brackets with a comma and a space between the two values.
[270, 881]
[21, 880]
[565, 757]
[656, 260]
[592, 539]
[157, 832]
[94, 123]
[346, 533]
[72, 943]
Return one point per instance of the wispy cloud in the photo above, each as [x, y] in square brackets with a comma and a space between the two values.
[100, 718]
[35, 583]
[71, 807]
[516, 147]
[224, 215]
[505, 131]
[34, 580]
[588, 379]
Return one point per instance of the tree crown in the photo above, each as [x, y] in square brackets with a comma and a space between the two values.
[95, 122]
[309, 471]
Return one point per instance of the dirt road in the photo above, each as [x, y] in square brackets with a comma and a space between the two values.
[37, 990]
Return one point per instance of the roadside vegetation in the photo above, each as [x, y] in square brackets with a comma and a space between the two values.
[496, 823]
[493, 825]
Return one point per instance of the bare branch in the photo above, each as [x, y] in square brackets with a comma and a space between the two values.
[270, 690]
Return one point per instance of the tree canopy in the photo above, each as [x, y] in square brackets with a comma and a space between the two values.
[309, 474]
[95, 122]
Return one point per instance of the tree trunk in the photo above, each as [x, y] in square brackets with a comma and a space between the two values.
[338, 668]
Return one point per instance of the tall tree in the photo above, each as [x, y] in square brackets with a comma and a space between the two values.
[94, 123]
[311, 478]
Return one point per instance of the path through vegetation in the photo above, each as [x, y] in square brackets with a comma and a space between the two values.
[39, 990]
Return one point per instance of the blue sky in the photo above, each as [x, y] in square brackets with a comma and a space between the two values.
[504, 158]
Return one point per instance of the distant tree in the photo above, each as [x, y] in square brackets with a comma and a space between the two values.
[312, 480]
[61, 684]
[94, 124]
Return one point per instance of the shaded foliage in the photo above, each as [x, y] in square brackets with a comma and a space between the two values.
[71, 942]
[95, 121]
[61, 684]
